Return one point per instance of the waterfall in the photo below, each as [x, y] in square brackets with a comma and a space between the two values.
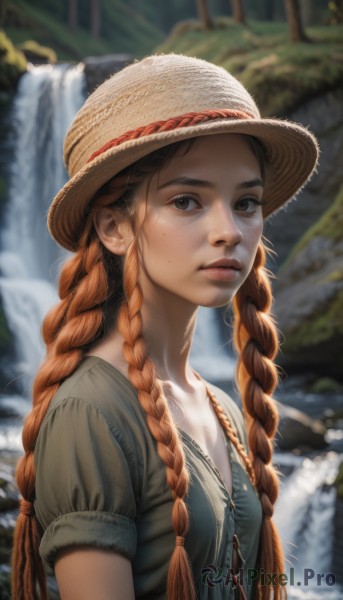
[45, 103]
[304, 515]
[209, 355]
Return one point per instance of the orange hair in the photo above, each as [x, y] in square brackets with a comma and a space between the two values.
[256, 341]
[92, 285]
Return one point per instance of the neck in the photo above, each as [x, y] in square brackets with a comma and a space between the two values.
[168, 328]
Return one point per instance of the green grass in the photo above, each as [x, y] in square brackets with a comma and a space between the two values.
[280, 75]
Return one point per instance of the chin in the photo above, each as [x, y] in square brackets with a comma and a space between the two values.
[218, 303]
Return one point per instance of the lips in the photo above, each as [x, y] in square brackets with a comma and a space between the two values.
[224, 263]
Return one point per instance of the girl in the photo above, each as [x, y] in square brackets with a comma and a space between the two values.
[141, 480]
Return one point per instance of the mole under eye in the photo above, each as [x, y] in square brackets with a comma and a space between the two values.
[185, 203]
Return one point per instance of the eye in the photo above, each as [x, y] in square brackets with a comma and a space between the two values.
[185, 203]
[248, 205]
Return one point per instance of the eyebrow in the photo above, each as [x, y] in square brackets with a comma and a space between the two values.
[202, 183]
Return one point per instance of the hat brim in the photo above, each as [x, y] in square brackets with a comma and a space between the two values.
[292, 154]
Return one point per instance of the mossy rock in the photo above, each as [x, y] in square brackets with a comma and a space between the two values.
[309, 299]
[12, 63]
[338, 483]
[329, 226]
[7, 350]
[5, 585]
[325, 385]
[38, 54]
[5, 334]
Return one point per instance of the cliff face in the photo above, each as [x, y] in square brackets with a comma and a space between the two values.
[324, 117]
[309, 287]
[309, 298]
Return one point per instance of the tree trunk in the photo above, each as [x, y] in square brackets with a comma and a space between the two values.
[204, 14]
[296, 30]
[72, 15]
[95, 18]
[308, 12]
[238, 11]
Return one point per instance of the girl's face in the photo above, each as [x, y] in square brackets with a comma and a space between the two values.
[201, 222]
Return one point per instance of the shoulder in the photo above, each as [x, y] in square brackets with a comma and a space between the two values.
[98, 382]
[98, 407]
[101, 389]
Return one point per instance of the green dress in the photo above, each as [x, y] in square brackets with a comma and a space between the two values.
[100, 482]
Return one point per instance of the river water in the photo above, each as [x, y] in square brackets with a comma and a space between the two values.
[46, 101]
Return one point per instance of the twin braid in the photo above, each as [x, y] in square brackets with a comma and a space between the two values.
[142, 375]
[75, 322]
[256, 340]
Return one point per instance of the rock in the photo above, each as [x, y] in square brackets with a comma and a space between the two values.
[99, 68]
[12, 63]
[309, 299]
[324, 117]
[37, 54]
[338, 483]
[297, 430]
[324, 385]
[337, 549]
[7, 350]
[9, 496]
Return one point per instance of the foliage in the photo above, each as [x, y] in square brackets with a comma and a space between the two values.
[124, 28]
[280, 75]
[12, 63]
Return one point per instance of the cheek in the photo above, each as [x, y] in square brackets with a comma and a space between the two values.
[166, 240]
[253, 237]
[255, 233]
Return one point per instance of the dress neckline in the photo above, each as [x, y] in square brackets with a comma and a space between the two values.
[212, 464]
[184, 434]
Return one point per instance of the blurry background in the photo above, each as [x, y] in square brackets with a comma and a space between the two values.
[289, 55]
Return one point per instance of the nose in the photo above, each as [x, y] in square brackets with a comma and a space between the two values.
[223, 227]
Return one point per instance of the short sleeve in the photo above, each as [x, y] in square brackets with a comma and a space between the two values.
[84, 482]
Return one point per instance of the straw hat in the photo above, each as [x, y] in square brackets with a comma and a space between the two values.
[155, 102]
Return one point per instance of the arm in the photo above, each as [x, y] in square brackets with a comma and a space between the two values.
[88, 573]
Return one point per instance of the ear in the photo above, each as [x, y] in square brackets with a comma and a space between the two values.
[114, 230]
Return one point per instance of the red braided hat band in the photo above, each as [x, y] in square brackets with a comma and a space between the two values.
[186, 120]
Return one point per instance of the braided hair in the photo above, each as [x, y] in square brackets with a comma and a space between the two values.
[98, 289]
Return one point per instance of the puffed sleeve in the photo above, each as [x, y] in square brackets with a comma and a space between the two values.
[85, 482]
